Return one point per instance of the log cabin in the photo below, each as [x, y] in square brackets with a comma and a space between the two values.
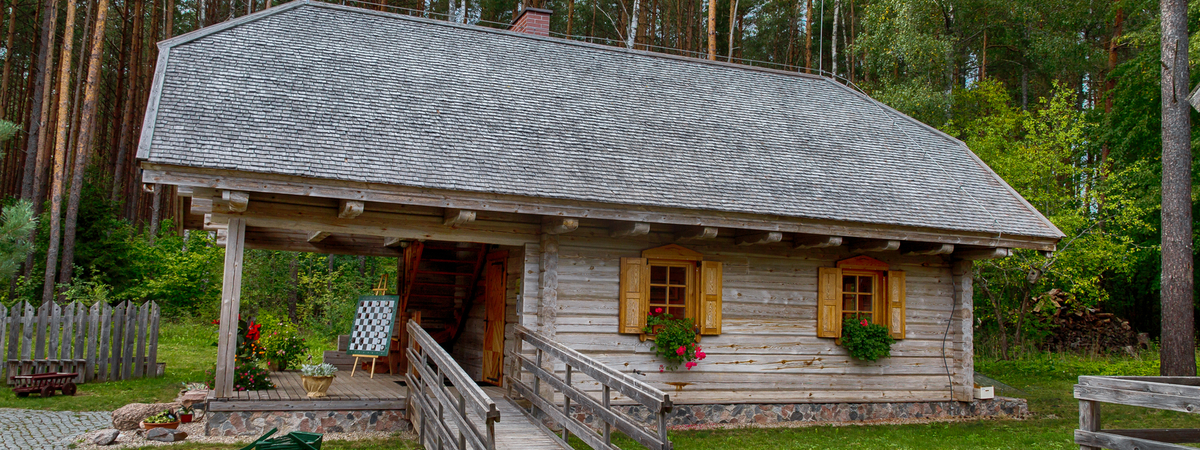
[571, 188]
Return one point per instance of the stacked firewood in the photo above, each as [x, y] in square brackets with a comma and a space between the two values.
[1079, 329]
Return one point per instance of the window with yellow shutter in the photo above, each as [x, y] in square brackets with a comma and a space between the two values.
[861, 287]
[671, 279]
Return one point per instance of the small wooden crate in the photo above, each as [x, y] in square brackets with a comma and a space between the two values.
[985, 392]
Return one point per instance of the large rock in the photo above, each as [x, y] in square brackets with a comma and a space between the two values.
[165, 435]
[129, 416]
[105, 437]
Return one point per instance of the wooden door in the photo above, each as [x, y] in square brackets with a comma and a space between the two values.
[493, 330]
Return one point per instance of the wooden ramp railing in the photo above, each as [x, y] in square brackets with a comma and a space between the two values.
[437, 406]
[648, 396]
[1168, 393]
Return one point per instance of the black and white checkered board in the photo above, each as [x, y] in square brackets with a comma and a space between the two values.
[373, 322]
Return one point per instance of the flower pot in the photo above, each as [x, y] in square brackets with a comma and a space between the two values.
[151, 426]
[185, 418]
[316, 386]
[277, 366]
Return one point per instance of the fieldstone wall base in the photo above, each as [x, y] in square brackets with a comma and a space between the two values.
[687, 416]
[258, 422]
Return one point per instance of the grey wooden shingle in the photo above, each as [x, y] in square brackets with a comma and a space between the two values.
[333, 92]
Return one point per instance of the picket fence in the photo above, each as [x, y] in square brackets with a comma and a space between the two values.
[101, 343]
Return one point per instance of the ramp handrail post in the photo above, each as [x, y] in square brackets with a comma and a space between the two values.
[429, 394]
[653, 399]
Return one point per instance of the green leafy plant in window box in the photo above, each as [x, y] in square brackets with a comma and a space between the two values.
[674, 340]
[865, 340]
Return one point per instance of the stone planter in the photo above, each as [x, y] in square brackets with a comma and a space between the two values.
[316, 386]
[151, 426]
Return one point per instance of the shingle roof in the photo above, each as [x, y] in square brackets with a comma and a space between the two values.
[333, 92]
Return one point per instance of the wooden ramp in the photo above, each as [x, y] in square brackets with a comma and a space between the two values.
[515, 430]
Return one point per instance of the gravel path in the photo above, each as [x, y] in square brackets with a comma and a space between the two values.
[25, 429]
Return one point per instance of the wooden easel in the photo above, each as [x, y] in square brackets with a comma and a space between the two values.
[373, 359]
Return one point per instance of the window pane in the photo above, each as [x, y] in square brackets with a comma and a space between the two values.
[864, 302]
[678, 295]
[848, 302]
[864, 284]
[678, 276]
[848, 284]
[658, 275]
[678, 313]
[658, 294]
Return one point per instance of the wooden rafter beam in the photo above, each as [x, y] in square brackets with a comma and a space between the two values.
[696, 233]
[769, 237]
[455, 218]
[815, 241]
[349, 209]
[926, 248]
[983, 253]
[559, 225]
[318, 236]
[630, 229]
[395, 242]
[237, 200]
[874, 245]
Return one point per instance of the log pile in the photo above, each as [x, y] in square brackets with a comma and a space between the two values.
[1079, 329]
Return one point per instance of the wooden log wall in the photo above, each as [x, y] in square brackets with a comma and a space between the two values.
[768, 351]
[101, 342]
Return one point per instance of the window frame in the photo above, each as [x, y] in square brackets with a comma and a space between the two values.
[702, 297]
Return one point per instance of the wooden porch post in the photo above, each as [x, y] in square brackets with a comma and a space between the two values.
[231, 296]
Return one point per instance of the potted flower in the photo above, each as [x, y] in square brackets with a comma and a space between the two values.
[674, 340]
[185, 414]
[865, 340]
[317, 378]
[165, 419]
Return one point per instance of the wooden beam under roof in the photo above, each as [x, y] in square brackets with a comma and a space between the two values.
[926, 248]
[395, 242]
[318, 236]
[455, 218]
[349, 209]
[559, 225]
[301, 187]
[874, 245]
[237, 200]
[815, 241]
[630, 229]
[982, 253]
[696, 233]
[769, 237]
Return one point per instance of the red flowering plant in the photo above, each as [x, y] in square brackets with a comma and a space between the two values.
[865, 340]
[248, 373]
[674, 340]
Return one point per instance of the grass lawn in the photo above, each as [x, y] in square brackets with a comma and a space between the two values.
[1045, 380]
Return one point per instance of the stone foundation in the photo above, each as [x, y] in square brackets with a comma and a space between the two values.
[255, 423]
[686, 416]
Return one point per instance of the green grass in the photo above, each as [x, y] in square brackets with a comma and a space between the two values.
[1045, 380]
[188, 350]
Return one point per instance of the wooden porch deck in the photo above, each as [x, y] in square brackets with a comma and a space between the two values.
[360, 392]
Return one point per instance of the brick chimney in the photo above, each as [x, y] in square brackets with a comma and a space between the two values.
[533, 21]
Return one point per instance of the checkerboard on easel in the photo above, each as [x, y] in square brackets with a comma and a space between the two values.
[371, 334]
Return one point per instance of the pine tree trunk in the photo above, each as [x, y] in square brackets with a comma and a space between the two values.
[733, 7]
[808, 38]
[35, 110]
[8, 59]
[122, 174]
[1178, 334]
[87, 121]
[833, 57]
[712, 30]
[60, 152]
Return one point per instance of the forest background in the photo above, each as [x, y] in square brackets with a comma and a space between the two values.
[1060, 97]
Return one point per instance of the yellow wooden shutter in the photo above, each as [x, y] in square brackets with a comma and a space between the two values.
[635, 293]
[710, 298]
[829, 302]
[895, 302]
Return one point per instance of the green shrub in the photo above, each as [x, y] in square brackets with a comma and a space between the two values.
[865, 340]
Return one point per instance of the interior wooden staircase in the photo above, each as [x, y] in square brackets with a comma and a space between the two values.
[440, 280]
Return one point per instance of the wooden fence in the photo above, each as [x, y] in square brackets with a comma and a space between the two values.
[101, 343]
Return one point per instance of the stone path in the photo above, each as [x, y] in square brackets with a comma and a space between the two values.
[25, 429]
